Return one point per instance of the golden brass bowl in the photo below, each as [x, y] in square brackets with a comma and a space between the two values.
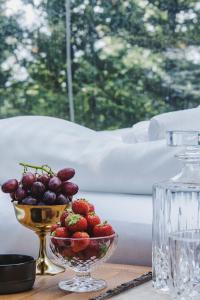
[39, 219]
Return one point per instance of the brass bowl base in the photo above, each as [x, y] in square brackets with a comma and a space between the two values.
[45, 266]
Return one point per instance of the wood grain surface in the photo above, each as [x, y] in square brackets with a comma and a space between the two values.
[46, 287]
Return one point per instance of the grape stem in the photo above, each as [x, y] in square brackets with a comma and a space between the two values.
[44, 168]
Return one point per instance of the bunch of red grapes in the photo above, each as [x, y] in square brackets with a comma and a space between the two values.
[47, 188]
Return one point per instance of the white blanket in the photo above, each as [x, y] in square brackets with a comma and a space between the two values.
[103, 162]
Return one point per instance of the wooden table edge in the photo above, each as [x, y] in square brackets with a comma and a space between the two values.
[46, 287]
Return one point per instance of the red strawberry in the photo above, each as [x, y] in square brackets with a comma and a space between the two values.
[54, 227]
[67, 253]
[61, 232]
[81, 243]
[103, 229]
[92, 220]
[64, 215]
[76, 222]
[80, 206]
[91, 206]
[93, 250]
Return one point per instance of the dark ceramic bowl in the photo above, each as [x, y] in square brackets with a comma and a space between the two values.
[17, 273]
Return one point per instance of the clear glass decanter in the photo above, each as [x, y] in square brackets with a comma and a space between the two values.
[176, 203]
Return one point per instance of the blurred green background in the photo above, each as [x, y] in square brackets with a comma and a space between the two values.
[131, 59]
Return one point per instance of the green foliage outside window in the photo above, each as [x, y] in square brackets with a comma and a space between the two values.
[131, 59]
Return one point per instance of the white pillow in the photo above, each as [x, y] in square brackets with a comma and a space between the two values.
[188, 119]
[137, 134]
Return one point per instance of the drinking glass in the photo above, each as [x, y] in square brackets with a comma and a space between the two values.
[184, 265]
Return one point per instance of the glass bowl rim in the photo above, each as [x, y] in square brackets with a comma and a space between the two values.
[114, 235]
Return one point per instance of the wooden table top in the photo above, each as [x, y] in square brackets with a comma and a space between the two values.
[46, 287]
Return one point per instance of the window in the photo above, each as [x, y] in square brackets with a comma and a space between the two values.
[131, 59]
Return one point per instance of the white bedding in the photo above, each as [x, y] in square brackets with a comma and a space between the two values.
[114, 166]
[131, 216]
[104, 162]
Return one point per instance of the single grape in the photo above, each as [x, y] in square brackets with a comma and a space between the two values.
[49, 197]
[20, 194]
[54, 184]
[28, 192]
[61, 199]
[10, 186]
[38, 189]
[69, 188]
[44, 179]
[28, 179]
[66, 174]
[29, 201]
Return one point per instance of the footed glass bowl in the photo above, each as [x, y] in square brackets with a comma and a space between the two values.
[81, 255]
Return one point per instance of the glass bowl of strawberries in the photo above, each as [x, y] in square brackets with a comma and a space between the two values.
[81, 241]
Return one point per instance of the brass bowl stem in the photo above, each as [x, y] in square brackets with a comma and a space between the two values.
[39, 219]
